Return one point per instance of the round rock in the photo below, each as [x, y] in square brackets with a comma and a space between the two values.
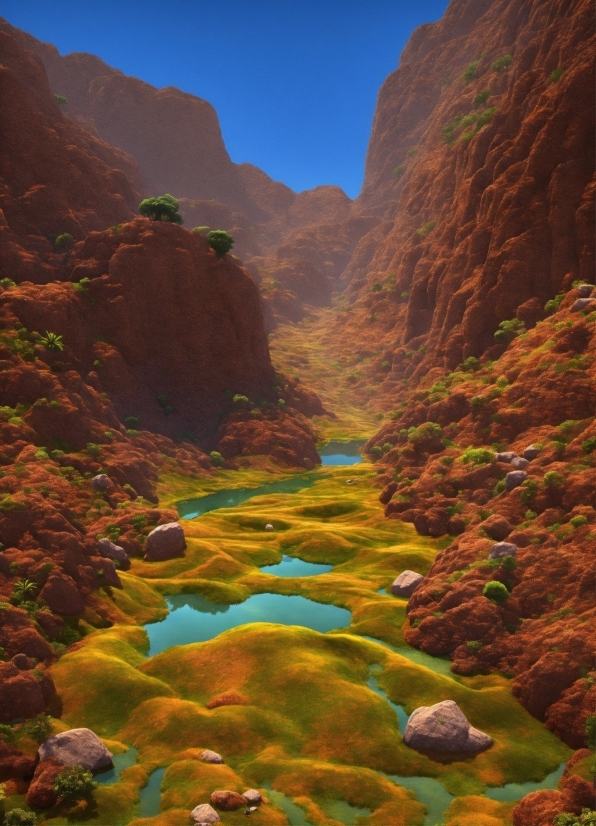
[443, 728]
[204, 814]
[165, 542]
[77, 747]
[501, 549]
[406, 583]
[531, 452]
[585, 290]
[507, 456]
[268, 526]
[583, 304]
[110, 551]
[515, 479]
[209, 756]
[101, 482]
[228, 801]
[497, 527]
[519, 463]
[252, 795]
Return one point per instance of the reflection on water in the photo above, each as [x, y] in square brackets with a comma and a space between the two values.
[192, 618]
[341, 453]
[191, 508]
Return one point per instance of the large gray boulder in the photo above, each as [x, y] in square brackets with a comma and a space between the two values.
[77, 747]
[585, 290]
[443, 728]
[110, 551]
[204, 814]
[101, 483]
[583, 304]
[531, 452]
[519, 463]
[506, 456]
[406, 583]
[165, 542]
[515, 479]
[501, 549]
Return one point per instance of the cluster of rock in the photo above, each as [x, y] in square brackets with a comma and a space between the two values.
[227, 801]
[518, 476]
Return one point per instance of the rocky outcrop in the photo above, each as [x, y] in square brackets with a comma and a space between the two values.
[443, 728]
[165, 542]
[406, 583]
[77, 747]
[228, 801]
[62, 596]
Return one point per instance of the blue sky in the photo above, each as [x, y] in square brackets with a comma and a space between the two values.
[294, 82]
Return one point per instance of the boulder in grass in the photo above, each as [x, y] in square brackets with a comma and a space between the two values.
[268, 526]
[208, 756]
[519, 463]
[585, 290]
[444, 728]
[531, 452]
[228, 801]
[165, 542]
[114, 552]
[583, 304]
[101, 483]
[204, 814]
[252, 795]
[77, 747]
[515, 479]
[501, 549]
[406, 583]
[506, 456]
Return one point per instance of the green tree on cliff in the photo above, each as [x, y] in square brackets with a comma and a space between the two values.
[163, 208]
[220, 241]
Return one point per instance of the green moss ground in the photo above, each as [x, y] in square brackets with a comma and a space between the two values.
[312, 729]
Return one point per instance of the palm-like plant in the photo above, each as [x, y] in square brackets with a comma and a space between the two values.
[24, 588]
[52, 341]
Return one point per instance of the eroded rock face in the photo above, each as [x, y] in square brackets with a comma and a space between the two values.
[77, 747]
[165, 542]
[406, 583]
[228, 801]
[443, 728]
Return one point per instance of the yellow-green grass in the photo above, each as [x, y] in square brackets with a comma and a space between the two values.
[473, 810]
[313, 729]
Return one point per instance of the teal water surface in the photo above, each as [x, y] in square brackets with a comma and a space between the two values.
[193, 618]
[121, 761]
[191, 508]
[515, 791]
[151, 794]
[341, 453]
[292, 566]
[373, 684]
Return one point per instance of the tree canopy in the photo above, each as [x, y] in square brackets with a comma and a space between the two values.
[162, 208]
[220, 241]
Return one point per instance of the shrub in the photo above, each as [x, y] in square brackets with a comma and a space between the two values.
[81, 286]
[131, 421]
[591, 732]
[474, 644]
[220, 241]
[529, 488]
[6, 733]
[19, 817]
[471, 364]
[52, 341]
[64, 241]
[556, 75]
[499, 487]
[74, 783]
[163, 208]
[470, 74]
[478, 456]
[424, 231]
[427, 432]
[60, 100]
[40, 728]
[23, 589]
[201, 230]
[481, 98]
[578, 521]
[7, 283]
[93, 449]
[485, 117]
[589, 446]
[553, 479]
[376, 288]
[502, 63]
[399, 170]
[240, 401]
[217, 460]
[587, 818]
[495, 591]
[508, 330]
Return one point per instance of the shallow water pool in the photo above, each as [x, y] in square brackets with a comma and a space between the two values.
[341, 453]
[193, 618]
[121, 761]
[292, 566]
[191, 508]
[151, 794]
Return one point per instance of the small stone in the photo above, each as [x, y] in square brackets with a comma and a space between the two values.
[204, 814]
[585, 290]
[115, 552]
[165, 542]
[101, 482]
[253, 809]
[228, 801]
[515, 479]
[583, 304]
[268, 526]
[531, 452]
[349, 481]
[507, 456]
[519, 463]
[208, 756]
[406, 583]
[77, 747]
[252, 795]
[501, 549]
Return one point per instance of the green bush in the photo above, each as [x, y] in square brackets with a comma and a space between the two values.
[426, 229]
[495, 591]
[578, 521]
[510, 329]
[60, 100]
[19, 817]
[589, 446]
[163, 208]
[553, 479]
[376, 288]
[471, 364]
[51, 341]
[7, 283]
[591, 732]
[220, 241]
[93, 449]
[6, 733]
[481, 98]
[131, 421]
[470, 74]
[553, 305]
[556, 75]
[201, 230]
[485, 117]
[74, 783]
[499, 487]
[587, 818]
[425, 433]
[478, 456]
[63, 241]
[217, 460]
[502, 63]
[474, 644]
[40, 728]
[399, 170]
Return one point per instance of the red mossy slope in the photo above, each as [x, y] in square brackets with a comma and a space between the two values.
[55, 176]
[497, 210]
